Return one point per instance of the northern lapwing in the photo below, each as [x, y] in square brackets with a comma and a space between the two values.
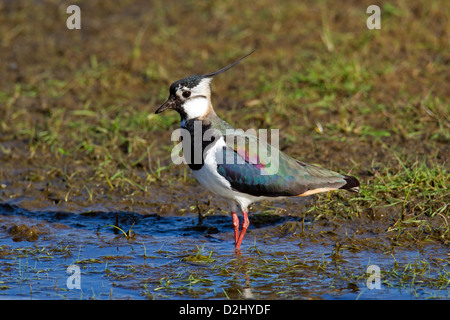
[233, 170]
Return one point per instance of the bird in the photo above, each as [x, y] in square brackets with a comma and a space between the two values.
[234, 171]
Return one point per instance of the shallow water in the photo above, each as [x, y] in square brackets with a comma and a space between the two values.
[176, 257]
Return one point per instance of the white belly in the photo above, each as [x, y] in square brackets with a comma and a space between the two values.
[209, 178]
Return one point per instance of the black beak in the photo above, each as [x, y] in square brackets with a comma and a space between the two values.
[169, 104]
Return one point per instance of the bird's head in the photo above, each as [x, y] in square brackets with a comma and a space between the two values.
[191, 96]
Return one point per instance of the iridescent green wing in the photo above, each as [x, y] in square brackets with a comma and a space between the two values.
[257, 168]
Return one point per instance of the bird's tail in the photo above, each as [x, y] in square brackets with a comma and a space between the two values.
[352, 184]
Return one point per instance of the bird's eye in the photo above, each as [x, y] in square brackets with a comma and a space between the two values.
[186, 94]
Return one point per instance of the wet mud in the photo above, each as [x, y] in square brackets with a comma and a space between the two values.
[129, 255]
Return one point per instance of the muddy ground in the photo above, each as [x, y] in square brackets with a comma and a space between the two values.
[82, 151]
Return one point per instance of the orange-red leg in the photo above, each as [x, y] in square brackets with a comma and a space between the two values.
[245, 225]
[236, 227]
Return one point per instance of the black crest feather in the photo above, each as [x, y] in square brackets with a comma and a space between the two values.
[212, 74]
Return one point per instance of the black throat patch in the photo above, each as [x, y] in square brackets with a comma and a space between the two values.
[200, 139]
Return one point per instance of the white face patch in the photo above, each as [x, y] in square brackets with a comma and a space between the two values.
[198, 103]
[196, 107]
[202, 89]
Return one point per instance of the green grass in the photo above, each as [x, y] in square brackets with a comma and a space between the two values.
[409, 195]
